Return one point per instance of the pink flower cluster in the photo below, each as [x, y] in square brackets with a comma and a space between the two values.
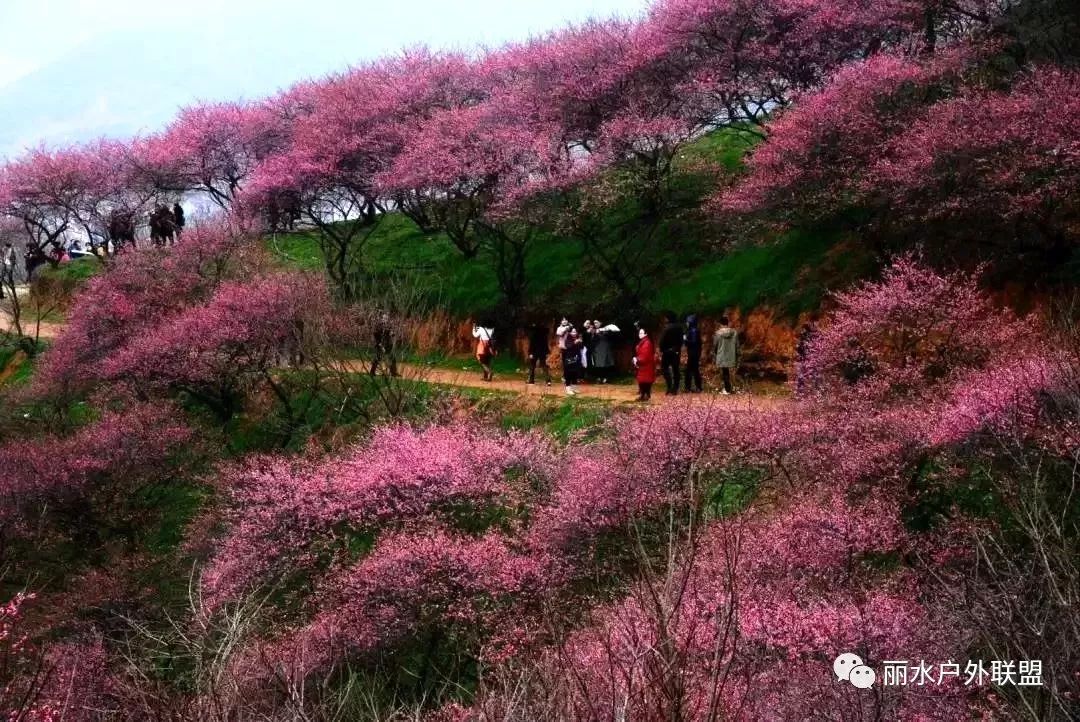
[118, 451]
[131, 299]
[289, 514]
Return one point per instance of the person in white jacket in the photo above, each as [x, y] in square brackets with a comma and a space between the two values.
[485, 349]
[562, 333]
[7, 269]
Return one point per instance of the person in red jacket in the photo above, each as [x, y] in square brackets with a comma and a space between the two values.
[645, 363]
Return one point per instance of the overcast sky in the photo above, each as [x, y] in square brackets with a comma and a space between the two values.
[73, 70]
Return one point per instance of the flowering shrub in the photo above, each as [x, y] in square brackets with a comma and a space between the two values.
[132, 299]
[284, 512]
[463, 591]
[217, 350]
[909, 336]
[112, 456]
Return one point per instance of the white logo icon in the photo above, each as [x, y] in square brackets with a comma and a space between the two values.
[843, 665]
[862, 677]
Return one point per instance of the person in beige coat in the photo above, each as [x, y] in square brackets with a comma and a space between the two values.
[726, 351]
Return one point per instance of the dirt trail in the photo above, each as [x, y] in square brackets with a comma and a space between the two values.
[46, 329]
[470, 378]
[615, 393]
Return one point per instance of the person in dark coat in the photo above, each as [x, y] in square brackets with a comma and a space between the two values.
[671, 341]
[539, 347]
[385, 352]
[601, 358]
[178, 218]
[571, 362]
[693, 354]
[645, 365]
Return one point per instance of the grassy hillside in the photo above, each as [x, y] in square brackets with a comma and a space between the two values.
[790, 272]
[692, 266]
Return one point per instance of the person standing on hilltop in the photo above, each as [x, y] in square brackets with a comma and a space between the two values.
[538, 353]
[693, 354]
[726, 345]
[671, 341]
[485, 349]
[645, 365]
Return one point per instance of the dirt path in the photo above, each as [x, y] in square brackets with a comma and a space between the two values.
[470, 378]
[614, 393]
[46, 330]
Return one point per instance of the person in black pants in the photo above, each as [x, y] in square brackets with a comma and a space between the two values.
[670, 350]
[693, 355]
[538, 353]
[385, 351]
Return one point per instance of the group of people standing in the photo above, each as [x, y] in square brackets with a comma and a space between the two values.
[589, 353]
[675, 336]
[585, 354]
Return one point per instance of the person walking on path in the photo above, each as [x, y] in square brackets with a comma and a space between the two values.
[645, 365]
[571, 362]
[602, 359]
[485, 349]
[538, 353]
[384, 346]
[693, 354]
[7, 269]
[726, 346]
[670, 350]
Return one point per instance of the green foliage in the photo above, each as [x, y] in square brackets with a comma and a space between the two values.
[792, 273]
[939, 495]
[562, 419]
[730, 490]
[58, 285]
[15, 367]
[71, 273]
[172, 506]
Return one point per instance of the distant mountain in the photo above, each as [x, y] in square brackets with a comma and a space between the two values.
[129, 82]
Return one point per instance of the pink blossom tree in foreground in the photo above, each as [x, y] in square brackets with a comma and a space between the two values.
[75, 486]
[131, 300]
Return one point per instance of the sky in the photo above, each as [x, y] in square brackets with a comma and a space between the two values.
[74, 70]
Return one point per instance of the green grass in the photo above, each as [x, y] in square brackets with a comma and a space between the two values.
[790, 272]
[561, 419]
[462, 286]
[72, 272]
[174, 505]
[16, 368]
